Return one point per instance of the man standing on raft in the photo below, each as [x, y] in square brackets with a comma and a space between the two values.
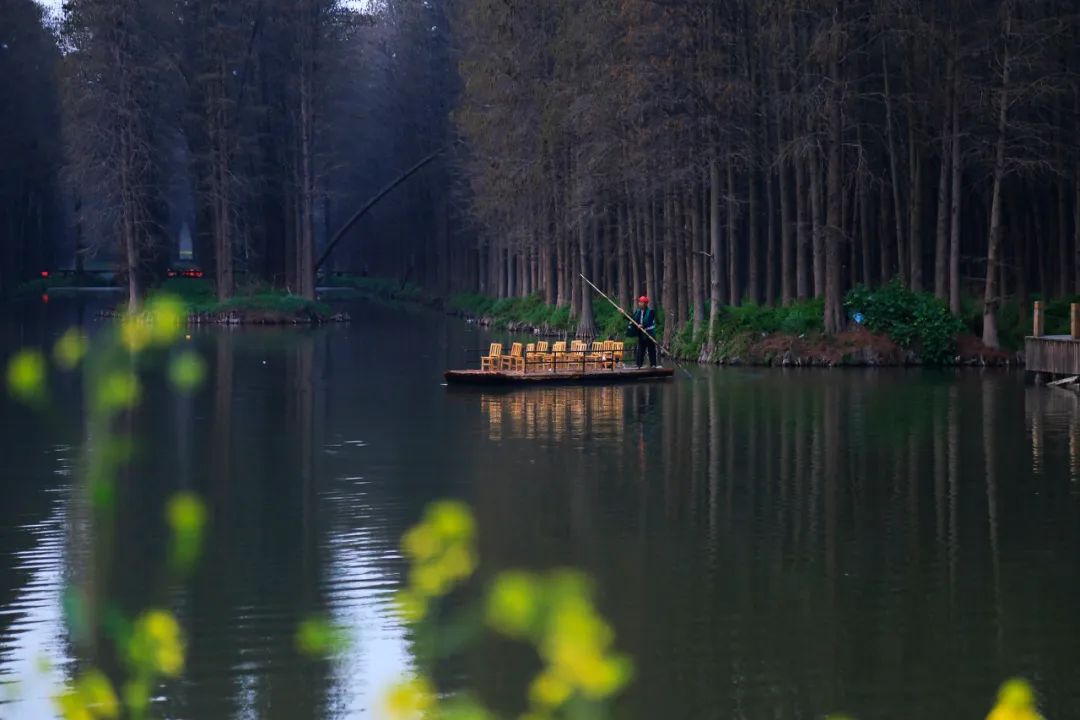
[644, 316]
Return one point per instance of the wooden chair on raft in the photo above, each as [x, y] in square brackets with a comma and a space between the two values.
[493, 360]
[515, 360]
[530, 356]
[559, 354]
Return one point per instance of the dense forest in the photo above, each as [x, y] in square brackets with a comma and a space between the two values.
[745, 151]
[258, 124]
[706, 153]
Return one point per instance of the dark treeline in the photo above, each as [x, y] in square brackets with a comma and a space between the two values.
[714, 153]
[706, 153]
[257, 124]
[29, 148]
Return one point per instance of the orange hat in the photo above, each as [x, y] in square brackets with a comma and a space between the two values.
[643, 299]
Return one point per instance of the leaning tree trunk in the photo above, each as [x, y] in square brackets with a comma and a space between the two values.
[991, 292]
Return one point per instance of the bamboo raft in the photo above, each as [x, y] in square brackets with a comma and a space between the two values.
[601, 363]
[565, 377]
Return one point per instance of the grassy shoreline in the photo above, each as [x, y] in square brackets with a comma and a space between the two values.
[250, 306]
[897, 327]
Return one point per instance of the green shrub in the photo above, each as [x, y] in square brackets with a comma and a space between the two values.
[911, 319]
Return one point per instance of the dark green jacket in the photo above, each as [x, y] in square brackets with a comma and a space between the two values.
[646, 319]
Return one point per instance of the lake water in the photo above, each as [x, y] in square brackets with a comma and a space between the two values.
[766, 543]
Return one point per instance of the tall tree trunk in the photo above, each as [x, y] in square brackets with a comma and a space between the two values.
[649, 249]
[670, 299]
[802, 271]
[915, 207]
[834, 312]
[771, 262]
[864, 217]
[753, 255]
[698, 259]
[732, 239]
[623, 239]
[990, 291]
[818, 229]
[954, 201]
[894, 174]
[787, 248]
[941, 248]
[586, 327]
[716, 291]
[635, 252]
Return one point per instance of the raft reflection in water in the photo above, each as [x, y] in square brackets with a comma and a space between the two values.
[555, 413]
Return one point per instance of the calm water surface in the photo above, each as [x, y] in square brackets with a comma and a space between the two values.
[767, 544]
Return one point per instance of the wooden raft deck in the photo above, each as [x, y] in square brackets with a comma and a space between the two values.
[565, 377]
[1053, 354]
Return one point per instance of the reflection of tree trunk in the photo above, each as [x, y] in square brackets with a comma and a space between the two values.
[714, 452]
[221, 434]
[953, 421]
[989, 412]
[939, 473]
[831, 419]
[1074, 446]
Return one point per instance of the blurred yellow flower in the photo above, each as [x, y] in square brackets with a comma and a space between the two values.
[186, 371]
[168, 318]
[317, 637]
[91, 697]
[26, 375]
[117, 390]
[1016, 701]
[411, 606]
[70, 348]
[409, 700]
[421, 542]
[156, 643]
[451, 519]
[549, 690]
[134, 332]
[513, 603]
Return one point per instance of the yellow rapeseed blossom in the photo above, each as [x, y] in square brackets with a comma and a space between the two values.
[441, 550]
[91, 697]
[186, 371]
[421, 542]
[411, 606]
[118, 390]
[134, 332]
[26, 375]
[513, 603]
[452, 520]
[157, 644]
[409, 700]
[186, 516]
[167, 319]
[317, 637]
[1015, 701]
[70, 348]
[549, 690]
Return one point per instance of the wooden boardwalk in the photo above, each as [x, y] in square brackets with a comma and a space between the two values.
[1053, 354]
